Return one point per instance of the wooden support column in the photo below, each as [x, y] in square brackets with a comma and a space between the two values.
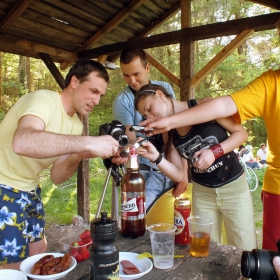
[83, 181]
[53, 69]
[186, 54]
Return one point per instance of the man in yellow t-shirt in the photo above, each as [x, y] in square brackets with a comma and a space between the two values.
[43, 129]
[261, 98]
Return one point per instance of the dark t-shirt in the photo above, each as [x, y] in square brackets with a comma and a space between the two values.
[224, 169]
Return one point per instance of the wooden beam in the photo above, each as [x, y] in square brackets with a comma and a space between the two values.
[83, 201]
[156, 24]
[108, 27]
[16, 11]
[221, 56]
[102, 58]
[53, 69]
[186, 53]
[232, 27]
[8, 41]
[163, 69]
[274, 4]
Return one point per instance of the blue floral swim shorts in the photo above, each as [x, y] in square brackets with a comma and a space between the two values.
[22, 220]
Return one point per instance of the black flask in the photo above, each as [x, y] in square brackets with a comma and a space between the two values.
[104, 252]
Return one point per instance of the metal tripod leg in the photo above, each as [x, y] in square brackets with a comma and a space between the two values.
[103, 193]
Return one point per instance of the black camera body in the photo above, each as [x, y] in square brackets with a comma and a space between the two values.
[258, 265]
[117, 130]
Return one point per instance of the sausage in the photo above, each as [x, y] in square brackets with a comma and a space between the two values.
[49, 264]
[129, 267]
[62, 266]
[36, 270]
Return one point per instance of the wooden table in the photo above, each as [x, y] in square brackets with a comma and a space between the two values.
[222, 263]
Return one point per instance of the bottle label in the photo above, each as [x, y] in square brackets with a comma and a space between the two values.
[133, 208]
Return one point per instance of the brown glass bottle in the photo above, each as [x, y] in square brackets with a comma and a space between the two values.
[133, 210]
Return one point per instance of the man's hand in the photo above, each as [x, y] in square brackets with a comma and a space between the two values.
[159, 125]
[118, 159]
[180, 188]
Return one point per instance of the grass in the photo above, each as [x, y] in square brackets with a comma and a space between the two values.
[61, 201]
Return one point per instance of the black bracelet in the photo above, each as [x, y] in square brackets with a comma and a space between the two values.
[158, 160]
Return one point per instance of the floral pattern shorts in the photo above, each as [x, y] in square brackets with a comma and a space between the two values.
[22, 220]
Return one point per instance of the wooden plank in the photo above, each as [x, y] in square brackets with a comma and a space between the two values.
[53, 69]
[186, 53]
[221, 56]
[18, 8]
[152, 26]
[163, 69]
[274, 4]
[38, 17]
[83, 180]
[108, 27]
[8, 41]
[232, 27]
[46, 9]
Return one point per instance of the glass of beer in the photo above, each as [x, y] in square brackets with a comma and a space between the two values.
[200, 232]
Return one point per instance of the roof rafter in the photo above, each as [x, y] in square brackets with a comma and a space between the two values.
[18, 8]
[274, 4]
[108, 27]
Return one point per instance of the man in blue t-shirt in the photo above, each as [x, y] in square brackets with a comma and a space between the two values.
[135, 70]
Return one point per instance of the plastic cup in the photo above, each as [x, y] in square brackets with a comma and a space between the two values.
[162, 240]
[200, 232]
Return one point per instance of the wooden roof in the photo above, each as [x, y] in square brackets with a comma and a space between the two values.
[63, 29]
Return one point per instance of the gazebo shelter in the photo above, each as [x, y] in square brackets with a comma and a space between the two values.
[64, 31]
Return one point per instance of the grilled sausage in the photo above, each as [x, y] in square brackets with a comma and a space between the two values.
[37, 268]
[50, 264]
[62, 266]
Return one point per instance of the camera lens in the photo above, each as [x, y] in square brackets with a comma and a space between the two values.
[119, 135]
[257, 264]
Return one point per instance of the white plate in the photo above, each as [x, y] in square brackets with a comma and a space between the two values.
[12, 274]
[144, 265]
[27, 265]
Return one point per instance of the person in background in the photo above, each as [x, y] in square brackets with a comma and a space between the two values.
[261, 154]
[42, 129]
[220, 189]
[135, 70]
[248, 157]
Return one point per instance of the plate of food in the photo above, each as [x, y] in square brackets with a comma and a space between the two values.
[133, 268]
[48, 266]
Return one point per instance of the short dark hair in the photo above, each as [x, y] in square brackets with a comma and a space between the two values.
[83, 68]
[131, 53]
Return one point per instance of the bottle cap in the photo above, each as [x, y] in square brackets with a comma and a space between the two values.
[103, 228]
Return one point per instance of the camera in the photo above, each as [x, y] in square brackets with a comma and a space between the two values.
[257, 264]
[117, 130]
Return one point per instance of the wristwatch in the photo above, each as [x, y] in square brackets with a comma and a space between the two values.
[158, 160]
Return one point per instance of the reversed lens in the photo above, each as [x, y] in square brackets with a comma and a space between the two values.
[258, 265]
[119, 135]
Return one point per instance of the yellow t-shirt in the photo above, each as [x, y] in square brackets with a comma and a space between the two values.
[261, 98]
[22, 172]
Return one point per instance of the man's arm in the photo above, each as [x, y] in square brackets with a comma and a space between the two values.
[213, 109]
[31, 140]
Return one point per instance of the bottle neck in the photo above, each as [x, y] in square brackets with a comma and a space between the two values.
[133, 162]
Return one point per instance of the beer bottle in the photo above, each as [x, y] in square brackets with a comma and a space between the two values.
[133, 199]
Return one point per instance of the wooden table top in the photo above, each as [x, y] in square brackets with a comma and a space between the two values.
[222, 263]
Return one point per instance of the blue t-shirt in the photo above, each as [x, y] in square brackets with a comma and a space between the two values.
[124, 110]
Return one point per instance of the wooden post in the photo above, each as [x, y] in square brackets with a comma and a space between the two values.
[83, 181]
[186, 54]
